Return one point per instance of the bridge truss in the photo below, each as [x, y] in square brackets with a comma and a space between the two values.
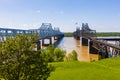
[45, 31]
[96, 45]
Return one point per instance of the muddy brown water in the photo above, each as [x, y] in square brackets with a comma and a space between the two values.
[69, 44]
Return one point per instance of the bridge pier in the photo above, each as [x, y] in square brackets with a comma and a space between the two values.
[50, 42]
[92, 49]
[77, 37]
[84, 41]
[38, 45]
[6, 32]
[55, 38]
[103, 52]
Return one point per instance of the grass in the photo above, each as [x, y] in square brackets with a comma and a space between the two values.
[105, 34]
[107, 69]
[69, 34]
[2, 79]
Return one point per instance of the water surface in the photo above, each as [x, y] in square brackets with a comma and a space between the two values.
[69, 44]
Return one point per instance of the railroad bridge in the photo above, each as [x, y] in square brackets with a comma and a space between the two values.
[44, 32]
[97, 45]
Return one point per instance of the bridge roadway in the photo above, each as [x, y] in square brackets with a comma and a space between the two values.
[97, 45]
[44, 32]
[98, 41]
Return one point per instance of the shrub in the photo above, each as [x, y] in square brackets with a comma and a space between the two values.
[52, 54]
[71, 56]
[59, 54]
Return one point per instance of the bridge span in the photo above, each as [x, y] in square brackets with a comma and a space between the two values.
[97, 45]
[44, 32]
[108, 38]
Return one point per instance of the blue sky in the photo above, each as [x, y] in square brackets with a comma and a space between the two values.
[101, 15]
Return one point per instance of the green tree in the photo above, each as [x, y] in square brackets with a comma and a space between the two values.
[71, 56]
[74, 55]
[52, 54]
[19, 60]
[59, 54]
[48, 54]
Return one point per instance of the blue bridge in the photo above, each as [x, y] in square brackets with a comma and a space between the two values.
[44, 32]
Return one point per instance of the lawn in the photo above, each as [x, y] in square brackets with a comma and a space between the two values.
[107, 69]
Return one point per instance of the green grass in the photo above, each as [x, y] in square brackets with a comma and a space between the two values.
[69, 34]
[2, 79]
[107, 69]
[105, 34]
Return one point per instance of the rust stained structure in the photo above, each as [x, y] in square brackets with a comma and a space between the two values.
[98, 45]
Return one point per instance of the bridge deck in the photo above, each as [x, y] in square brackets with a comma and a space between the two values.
[107, 44]
[45, 31]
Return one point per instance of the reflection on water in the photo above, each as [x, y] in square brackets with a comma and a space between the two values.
[69, 44]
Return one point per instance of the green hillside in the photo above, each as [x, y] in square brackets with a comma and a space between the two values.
[107, 69]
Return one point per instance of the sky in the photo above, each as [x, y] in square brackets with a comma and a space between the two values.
[101, 15]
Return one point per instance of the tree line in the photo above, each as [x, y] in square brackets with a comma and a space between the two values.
[104, 34]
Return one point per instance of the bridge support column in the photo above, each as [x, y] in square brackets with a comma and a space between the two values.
[55, 38]
[103, 52]
[91, 48]
[50, 42]
[78, 37]
[38, 45]
[6, 32]
[84, 41]
[43, 42]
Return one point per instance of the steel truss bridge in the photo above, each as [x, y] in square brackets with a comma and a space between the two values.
[97, 45]
[44, 32]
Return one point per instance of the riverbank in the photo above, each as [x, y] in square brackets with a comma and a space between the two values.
[103, 34]
[107, 34]
[106, 69]
[69, 34]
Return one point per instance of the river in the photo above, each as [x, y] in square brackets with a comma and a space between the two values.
[69, 44]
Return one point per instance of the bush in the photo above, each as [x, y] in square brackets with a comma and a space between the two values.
[53, 54]
[48, 54]
[59, 54]
[71, 56]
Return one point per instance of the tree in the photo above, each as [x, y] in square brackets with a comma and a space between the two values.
[74, 55]
[52, 54]
[71, 56]
[59, 54]
[48, 54]
[19, 60]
